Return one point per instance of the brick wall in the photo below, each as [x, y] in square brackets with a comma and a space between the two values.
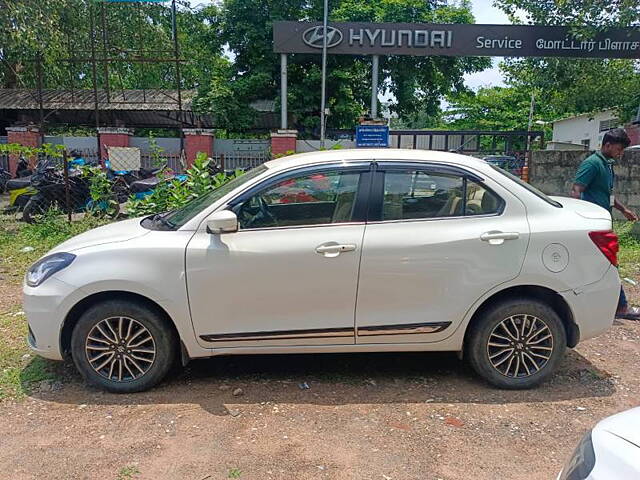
[197, 140]
[283, 141]
[113, 137]
[25, 136]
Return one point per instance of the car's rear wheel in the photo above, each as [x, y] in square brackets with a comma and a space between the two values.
[516, 344]
[122, 346]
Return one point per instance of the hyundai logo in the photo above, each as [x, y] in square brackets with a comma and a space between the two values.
[314, 36]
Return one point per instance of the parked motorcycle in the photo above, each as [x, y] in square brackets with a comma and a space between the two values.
[49, 183]
[123, 179]
[19, 188]
[22, 169]
[5, 176]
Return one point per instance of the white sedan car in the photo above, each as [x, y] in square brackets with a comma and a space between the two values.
[337, 251]
[610, 450]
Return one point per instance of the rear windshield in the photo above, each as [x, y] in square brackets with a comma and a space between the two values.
[529, 187]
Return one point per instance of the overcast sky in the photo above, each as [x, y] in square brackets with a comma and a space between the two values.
[484, 12]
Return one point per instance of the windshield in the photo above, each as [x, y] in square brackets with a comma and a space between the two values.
[181, 216]
[529, 187]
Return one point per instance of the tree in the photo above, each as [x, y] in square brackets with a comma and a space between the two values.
[59, 30]
[597, 14]
[417, 83]
[494, 108]
[572, 86]
[576, 86]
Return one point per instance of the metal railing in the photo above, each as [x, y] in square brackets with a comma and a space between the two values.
[241, 160]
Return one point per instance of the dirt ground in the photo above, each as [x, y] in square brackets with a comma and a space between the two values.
[373, 416]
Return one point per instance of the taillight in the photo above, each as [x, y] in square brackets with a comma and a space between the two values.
[607, 242]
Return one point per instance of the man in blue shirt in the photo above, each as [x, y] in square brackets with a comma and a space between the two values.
[594, 182]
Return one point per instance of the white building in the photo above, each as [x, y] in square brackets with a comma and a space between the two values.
[583, 131]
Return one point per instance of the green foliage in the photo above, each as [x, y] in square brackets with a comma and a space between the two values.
[418, 83]
[595, 14]
[495, 108]
[47, 149]
[285, 154]
[55, 229]
[128, 472]
[156, 152]
[234, 473]
[56, 30]
[629, 255]
[574, 86]
[103, 199]
[172, 193]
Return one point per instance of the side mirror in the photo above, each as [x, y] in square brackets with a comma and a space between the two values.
[224, 221]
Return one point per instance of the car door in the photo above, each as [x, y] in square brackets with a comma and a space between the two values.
[289, 275]
[438, 239]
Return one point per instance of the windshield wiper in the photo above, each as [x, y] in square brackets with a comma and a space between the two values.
[160, 218]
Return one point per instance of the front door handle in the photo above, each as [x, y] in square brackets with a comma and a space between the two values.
[333, 249]
[498, 238]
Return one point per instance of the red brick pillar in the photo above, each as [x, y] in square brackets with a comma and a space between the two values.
[197, 140]
[633, 130]
[113, 137]
[25, 136]
[283, 142]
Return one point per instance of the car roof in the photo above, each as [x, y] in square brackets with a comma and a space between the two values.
[378, 154]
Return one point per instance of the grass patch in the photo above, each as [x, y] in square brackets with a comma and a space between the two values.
[234, 473]
[41, 237]
[128, 472]
[19, 374]
[629, 255]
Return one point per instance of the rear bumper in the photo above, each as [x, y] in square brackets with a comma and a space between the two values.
[594, 305]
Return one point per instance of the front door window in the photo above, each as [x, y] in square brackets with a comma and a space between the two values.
[312, 199]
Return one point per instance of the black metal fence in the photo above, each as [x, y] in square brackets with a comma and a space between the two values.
[73, 184]
[241, 160]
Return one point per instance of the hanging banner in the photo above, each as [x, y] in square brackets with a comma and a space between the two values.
[458, 40]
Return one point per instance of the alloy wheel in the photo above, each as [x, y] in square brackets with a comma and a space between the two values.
[520, 346]
[120, 349]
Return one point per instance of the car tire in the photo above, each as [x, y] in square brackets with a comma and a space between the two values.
[133, 341]
[525, 354]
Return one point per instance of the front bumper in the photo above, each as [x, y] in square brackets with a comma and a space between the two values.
[594, 305]
[46, 307]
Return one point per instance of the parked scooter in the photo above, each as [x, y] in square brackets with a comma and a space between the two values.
[19, 188]
[49, 183]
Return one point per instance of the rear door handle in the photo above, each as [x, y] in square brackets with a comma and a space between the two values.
[498, 238]
[333, 249]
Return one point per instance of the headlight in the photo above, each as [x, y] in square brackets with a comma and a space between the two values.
[581, 462]
[47, 266]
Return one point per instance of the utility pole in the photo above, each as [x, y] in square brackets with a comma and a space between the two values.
[323, 95]
[528, 154]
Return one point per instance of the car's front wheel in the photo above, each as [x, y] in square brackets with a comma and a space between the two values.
[516, 344]
[122, 346]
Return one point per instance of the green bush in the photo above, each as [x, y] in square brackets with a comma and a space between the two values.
[103, 198]
[172, 193]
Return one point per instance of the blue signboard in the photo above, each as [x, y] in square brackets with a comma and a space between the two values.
[372, 136]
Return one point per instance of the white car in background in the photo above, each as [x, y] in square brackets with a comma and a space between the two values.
[610, 451]
[338, 251]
